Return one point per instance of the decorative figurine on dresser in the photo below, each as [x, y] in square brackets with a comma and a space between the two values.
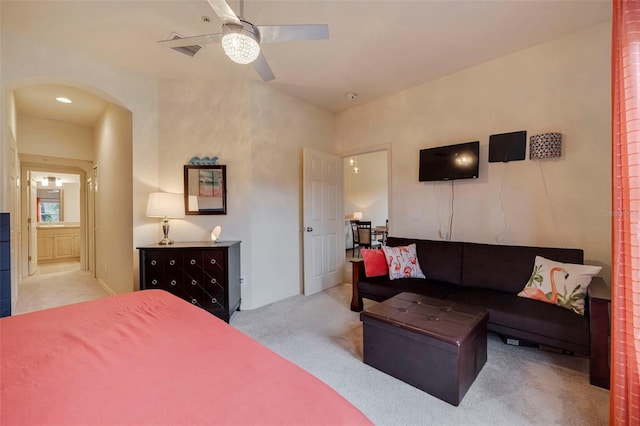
[206, 273]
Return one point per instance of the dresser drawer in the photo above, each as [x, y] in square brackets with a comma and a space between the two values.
[163, 270]
[204, 274]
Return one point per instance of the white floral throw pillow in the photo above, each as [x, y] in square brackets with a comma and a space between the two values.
[562, 284]
[402, 262]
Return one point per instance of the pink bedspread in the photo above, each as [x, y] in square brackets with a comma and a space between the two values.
[150, 358]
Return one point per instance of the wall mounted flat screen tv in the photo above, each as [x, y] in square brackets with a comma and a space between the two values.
[449, 162]
[507, 146]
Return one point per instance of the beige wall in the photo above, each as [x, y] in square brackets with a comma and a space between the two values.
[249, 127]
[281, 127]
[9, 184]
[113, 200]
[55, 138]
[25, 62]
[562, 86]
[4, 128]
[8, 147]
[228, 119]
[71, 202]
[367, 191]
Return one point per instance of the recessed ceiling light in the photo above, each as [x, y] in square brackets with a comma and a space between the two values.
[351, 96]
[63, 100]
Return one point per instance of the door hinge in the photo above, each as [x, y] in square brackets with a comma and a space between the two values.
[29, 258]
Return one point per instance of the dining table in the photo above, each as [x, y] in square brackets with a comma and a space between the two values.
[379, 233]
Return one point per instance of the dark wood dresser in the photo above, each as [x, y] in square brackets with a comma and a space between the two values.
[206, 274]
[5, 265]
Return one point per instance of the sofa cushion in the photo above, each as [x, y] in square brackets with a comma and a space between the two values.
[541, 319]
[382, 288]
[375, 264]
[402, 262]
[506, 268]
[557, 283]
[439, 260]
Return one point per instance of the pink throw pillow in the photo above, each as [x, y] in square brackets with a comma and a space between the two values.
[375, 264]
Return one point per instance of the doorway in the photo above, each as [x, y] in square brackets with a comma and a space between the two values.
[93, 129]
[366, 192]
[54, 199]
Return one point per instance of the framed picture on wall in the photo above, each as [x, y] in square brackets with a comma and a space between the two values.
[205, 189]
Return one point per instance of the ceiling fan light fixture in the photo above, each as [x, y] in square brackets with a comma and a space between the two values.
[241, 43]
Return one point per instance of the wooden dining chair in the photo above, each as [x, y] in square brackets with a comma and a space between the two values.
[364, 235]
[355, 238]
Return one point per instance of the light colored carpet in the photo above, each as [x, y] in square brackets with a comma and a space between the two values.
[54, 285]
[517, 385]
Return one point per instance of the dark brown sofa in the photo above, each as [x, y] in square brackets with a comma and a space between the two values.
[490, 276]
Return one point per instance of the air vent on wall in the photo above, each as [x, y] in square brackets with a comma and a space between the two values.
[187, 50]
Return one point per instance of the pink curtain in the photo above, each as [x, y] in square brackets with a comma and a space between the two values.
[625, 287]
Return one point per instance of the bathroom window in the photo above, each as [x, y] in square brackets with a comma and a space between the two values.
[49, 210]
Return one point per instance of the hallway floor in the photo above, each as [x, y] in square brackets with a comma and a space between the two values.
[54, 285]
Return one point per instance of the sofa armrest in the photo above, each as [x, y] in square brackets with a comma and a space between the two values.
[357, 271]
[598, 290]
[599, 328]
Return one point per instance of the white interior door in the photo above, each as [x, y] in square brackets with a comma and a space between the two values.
[32, 222]
[323, 221]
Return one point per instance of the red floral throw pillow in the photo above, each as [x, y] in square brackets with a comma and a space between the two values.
[375, 264]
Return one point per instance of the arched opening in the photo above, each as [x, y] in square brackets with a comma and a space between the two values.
[91, 138]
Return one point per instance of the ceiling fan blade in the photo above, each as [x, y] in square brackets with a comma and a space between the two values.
[279, 33]
[192, 41]
[224, 12]
[262, 67]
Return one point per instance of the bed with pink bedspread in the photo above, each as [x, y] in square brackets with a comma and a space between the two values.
[150, 358]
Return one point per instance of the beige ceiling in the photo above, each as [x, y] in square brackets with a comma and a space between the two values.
[376, 47]
[40, 101]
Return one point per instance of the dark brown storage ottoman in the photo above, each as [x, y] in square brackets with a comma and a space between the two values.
[434, 345]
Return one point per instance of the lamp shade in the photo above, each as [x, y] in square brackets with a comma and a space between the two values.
[357, 215]
[546, 145]
[165, 204]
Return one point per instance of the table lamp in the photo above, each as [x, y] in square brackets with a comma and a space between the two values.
[167, 206]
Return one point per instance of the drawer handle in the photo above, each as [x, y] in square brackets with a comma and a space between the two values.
[193, 261]
[214, 300]
[154, 282]
[213, 281]
[213, 261]
[173, 282]
[172, 262]
[153, 262]
[194, 282]
[194, 301]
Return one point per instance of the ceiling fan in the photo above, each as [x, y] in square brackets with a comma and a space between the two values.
[241, 39]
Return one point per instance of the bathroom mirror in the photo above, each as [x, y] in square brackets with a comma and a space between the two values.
[205, 189]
